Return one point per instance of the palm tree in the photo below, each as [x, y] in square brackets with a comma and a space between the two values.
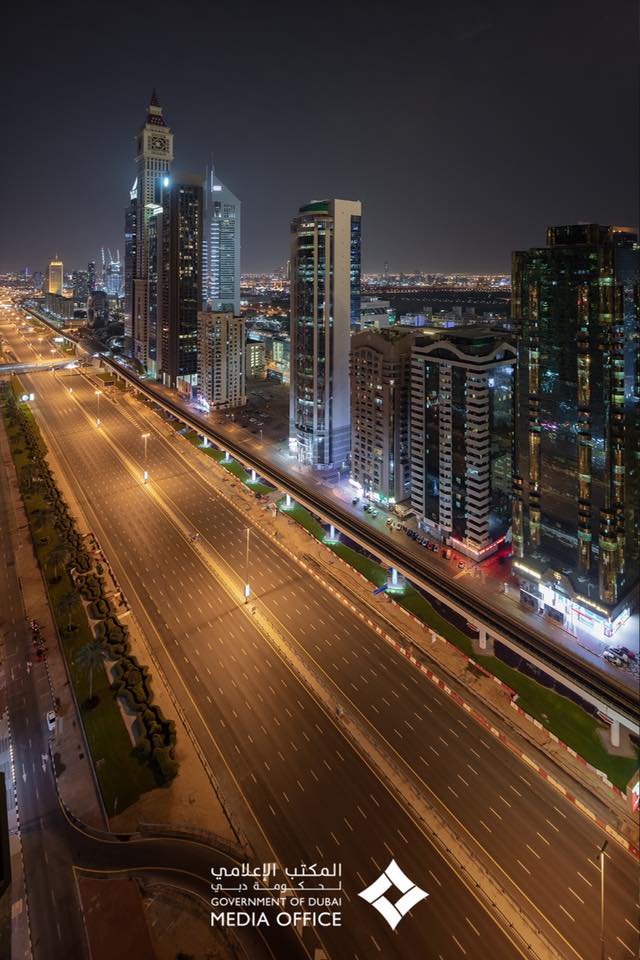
[90, 656]
[68, 603]
[58, 557]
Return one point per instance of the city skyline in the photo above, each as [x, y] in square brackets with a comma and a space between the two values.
[440, 191]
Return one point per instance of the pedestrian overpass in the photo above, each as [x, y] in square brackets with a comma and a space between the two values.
[38, 366]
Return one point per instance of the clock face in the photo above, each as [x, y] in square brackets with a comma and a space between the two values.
[158, 143]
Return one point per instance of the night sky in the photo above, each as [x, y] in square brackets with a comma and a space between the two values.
[463, 127]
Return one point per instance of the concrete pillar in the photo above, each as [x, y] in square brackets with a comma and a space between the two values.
[226, 457]
[332, 532]
[254, 476]
[287, 502]
[615, 733]
[394, 577]
[482, 638]
[205, 442]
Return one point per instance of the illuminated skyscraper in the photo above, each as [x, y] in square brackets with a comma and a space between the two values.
[56, 276]
[179, 280]
[380, 369]
[153, 161]
[130, 237]
[462, 436]
[325, 303]
[221, 359]
[576, 511]
[220, 247]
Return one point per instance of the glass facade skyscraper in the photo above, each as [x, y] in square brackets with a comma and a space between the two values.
[154, 153]
[575, 513]
[325, 303]
[220, 247]
[179, 279]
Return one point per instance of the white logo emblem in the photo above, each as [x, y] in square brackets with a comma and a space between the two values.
[393, 876]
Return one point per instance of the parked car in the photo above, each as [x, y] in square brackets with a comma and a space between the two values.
[613, 658]
[355, 500]
[51, 721]
[624, 651]
[460, 565]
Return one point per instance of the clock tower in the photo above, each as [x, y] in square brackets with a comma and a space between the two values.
[154, 153]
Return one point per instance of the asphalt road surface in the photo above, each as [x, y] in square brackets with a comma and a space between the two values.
[310, 792]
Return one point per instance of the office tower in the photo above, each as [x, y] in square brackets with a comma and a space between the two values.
[80, 284]
[179, 279]
[221, 371]
[220, 247]
[256, 359]
[575, 519]
[462, 435]
[37, 280]
[154, 264]
[130, 232]
[154, 153]
[56, 277]
[380, 372]
[91, 276]
[111, 277]
[325, 303]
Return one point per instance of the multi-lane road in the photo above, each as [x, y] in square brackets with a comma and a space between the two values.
[311, 794]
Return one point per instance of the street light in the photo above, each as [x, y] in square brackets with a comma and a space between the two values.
[98, 395]
[602, 946]
[247, 587]
[145, 437]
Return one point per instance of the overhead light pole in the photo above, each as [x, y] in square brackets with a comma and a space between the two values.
[145, 437]
[602, 944]
[247, 586]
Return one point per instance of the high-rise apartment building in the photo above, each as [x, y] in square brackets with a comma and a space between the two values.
[130, 238]
[154, 153]
[462, 436]
[56, 277]
[325, 304]
[576, 485]
[91, 276]
[380, 372]
[179, 279]
[220, 247]
[221, 360]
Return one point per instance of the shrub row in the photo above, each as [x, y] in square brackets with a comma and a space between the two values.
[156, 743]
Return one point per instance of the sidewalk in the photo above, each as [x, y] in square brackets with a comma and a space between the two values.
[20, 932]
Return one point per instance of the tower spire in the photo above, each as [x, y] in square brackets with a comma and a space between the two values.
[154, 102]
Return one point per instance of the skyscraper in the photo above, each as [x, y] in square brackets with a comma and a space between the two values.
[154, 154]
[130, 237]
[56, 276]
[380, 370]
[220, 247]
[325, 302]
[179, 278]
[221, 359]
[462, 436]
[91, 275]
[576, 512]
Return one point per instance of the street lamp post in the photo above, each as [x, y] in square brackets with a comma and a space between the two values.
[247, 587]
[145, 437]
[98, 395]
[602, 944]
